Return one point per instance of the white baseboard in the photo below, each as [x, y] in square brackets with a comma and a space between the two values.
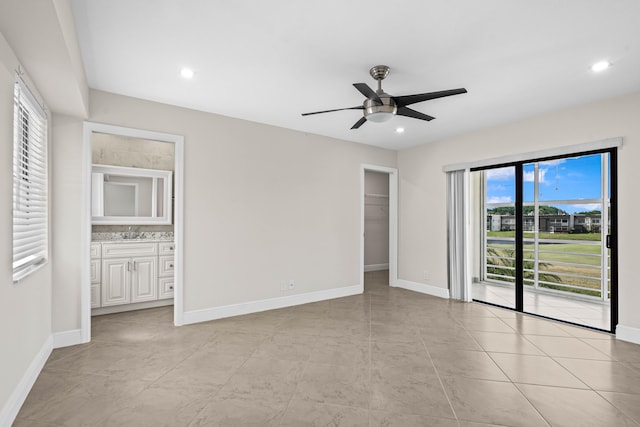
[376, 267]
[628, 333]
[130, 307]
[213, 313]
[16, 399]
[422, 288]
[67, 338]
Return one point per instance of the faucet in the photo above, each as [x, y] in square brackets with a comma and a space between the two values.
[129, 233]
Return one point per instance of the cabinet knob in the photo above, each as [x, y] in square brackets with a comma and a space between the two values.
[170, 288]
[170, 248]
[170, 265]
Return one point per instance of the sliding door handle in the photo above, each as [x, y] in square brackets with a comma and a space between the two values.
[608, 241]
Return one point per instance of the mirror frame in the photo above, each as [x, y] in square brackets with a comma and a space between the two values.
[97, 203]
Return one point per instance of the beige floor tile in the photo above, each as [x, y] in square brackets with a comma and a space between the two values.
[157, 406]
[541, 370]
[302, 365]
[456, 338]
[490, 402]
[505, 343]
[76, 399]
[486, 324]
[604, 375]
[390, 419]
[311, 414]
[239, 412]
[237, 343]
[286, 347]
[466, 363]
[341, 351]
[527, 325]
[572, 407]
[339, 385]
[410, 394]
[629, 404]
[566, 347]
[205, 370]
[617, 350]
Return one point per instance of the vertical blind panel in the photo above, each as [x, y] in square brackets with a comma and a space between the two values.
[30, 183]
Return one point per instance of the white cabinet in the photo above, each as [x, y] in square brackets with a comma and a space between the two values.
[165, 270]
[116, 286]
[131, 272]
[95, 274]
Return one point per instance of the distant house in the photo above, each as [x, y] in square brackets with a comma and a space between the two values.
[579, 223]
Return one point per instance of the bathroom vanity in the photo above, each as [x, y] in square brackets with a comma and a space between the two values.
[129, 274]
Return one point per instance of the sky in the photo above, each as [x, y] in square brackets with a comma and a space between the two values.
[575, 179]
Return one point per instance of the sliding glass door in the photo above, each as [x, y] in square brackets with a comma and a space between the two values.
[546, 248]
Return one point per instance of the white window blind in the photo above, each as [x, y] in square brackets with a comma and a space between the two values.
[30, 212]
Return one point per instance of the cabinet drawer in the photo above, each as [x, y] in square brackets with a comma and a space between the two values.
[119, 250]
[95, 250]
[94, 271]
[166, 248]
[166, 266]
[165, 287]
[95, 295]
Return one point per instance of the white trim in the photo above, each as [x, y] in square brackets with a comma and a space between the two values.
[213, 313]
[628, 333]
[393, 220]
[178, 226]
[21, 391]
[376, 267]
[423, 289]
[67, 338]
[130, 307]
[539, 154]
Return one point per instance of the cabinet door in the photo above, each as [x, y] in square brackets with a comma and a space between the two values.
[165, 287]
[144, 279]
[166, 266]
[94, 271]
[116, 285]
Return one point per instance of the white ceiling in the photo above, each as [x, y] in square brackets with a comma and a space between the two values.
[270, 61]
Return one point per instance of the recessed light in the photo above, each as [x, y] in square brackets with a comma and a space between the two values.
[600, 66]
[399, 130]
[187, 73]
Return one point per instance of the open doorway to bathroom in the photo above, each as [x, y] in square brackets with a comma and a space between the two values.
[133, 201]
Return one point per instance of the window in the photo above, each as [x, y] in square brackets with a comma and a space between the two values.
[30, 216]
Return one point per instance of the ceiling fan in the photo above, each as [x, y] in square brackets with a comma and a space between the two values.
[380, 106]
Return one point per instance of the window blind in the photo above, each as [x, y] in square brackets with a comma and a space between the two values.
[30, 183]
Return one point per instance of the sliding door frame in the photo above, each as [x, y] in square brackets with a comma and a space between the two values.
[519, 231]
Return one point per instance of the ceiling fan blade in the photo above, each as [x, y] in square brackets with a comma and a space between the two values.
[408, 112]
[364, 89]
[359, 123]
[405, 100]
[359, 107]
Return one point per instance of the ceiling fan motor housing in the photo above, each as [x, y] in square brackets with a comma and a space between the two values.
[380, 113]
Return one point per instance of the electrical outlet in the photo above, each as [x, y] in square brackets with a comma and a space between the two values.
[292, 284]
[283, 285]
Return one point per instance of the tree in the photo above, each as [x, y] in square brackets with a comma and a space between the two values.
[526, 210]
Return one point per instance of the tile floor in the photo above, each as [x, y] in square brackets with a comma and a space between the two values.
[582, 312]
[389, 357]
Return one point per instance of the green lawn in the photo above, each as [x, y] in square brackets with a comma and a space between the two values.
[586, 255]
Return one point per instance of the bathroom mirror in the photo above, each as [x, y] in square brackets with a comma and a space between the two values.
[124, 195]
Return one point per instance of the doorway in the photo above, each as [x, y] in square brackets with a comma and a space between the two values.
[548, 242]
[175, 274]
[379, 222]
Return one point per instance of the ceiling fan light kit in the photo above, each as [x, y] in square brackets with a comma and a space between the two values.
[379, 106]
